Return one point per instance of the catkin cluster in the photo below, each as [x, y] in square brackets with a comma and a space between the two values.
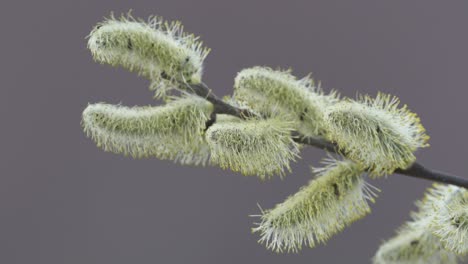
[375, 135]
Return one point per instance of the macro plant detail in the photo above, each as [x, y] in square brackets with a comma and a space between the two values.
[260, 130]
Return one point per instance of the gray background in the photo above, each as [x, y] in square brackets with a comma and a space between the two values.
[63, 200]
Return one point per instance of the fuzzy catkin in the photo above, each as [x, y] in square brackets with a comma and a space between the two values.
[174, 131]
[416, 242]
[449, 206]
[157, 50]
[414, 246]
[270, 92]
[253, 147]
[335, 199]
[376, 133]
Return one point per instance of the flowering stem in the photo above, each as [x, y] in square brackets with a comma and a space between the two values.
[416, 170]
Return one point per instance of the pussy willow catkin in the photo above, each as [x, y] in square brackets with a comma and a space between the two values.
[174, 131]
[156, 49]
[416, 242]
[271, 91]
[253, 147]
[329, 203]
[414, 245]
[449, 206]
[376, 133]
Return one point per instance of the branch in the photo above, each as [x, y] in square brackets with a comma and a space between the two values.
[220, 107]
[416, 170]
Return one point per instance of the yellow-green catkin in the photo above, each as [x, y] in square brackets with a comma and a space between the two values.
[260, 148]
[173, 131]
[335, 199]
[157, 50]
[376, 133]
[414, 245]
[449, 206]
[416, 242]
[270, 92]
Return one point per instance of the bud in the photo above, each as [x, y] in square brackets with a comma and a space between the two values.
[376, 133]
[329, 203]
[271, 92]
[252, 147]
[173, 131]
[157, 50]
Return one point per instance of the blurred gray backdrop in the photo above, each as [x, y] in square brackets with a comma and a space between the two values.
[63, 200]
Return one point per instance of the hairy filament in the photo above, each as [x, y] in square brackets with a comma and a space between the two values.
[252, 147]
[157, 50]
[271, 91]
[335, 199]
[173, 131]
[376, 133]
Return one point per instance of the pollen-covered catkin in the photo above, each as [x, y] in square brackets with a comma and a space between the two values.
[270, 92]
[252, 147]
[335, 199]
[376, 133]
[449, 206]
[173, 131]
[157, 50]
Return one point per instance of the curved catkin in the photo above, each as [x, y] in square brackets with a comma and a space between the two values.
[329, 203]
[376, 133]
[252, 147]
[415, 241]
[414, 245]
[449, 206]
[271, 91]
[157, 50]
[173, 131]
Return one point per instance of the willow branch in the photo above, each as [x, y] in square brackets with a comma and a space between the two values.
[416, 170]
